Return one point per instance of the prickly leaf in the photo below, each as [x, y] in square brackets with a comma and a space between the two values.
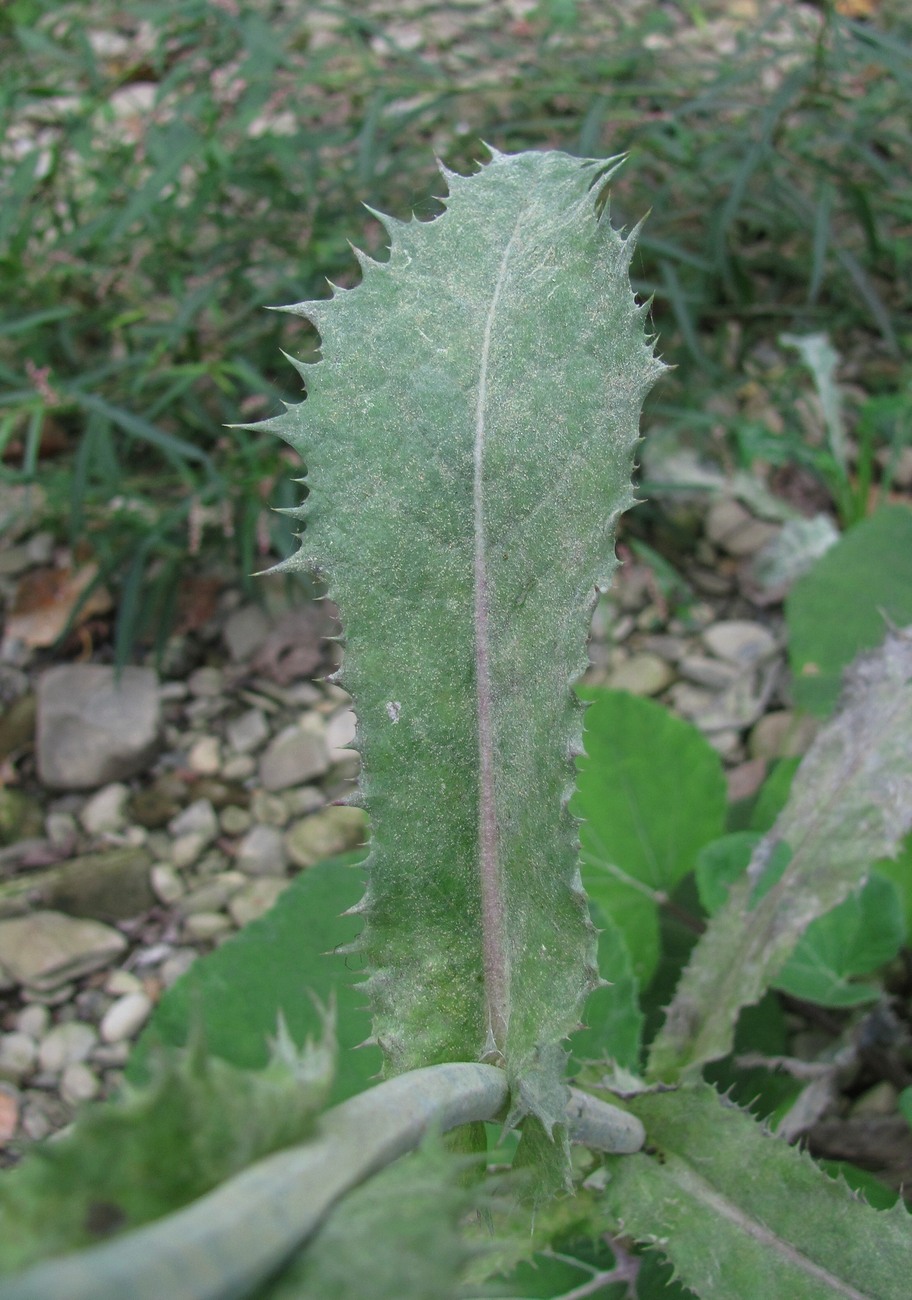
[468, 437]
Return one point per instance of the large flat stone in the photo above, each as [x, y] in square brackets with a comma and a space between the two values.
[47, 949]
[95, 727]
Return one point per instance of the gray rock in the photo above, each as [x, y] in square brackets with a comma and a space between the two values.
[740, 641]
[33, 1020]
[735, 530]
[256, 898]
[106, 810]
[294, 757]
[18, 1054]
[334, 830]
[642, 674]
[269, 809]
[198, 818]
[95, 727]
[108, 886]
[248, 732]
[262, 852]
[187, 849]
[61, 829]
[239, 767]
[125, 1017]
[46, 949]
[78, 1084]
[71, 1041]
[245, 631]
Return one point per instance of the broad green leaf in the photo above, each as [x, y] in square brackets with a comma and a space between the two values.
[740, 1213]
[850, 804]
[899, 870]
[862, 934]
[613, 1019]
[843, 606]
[284, 962]
[651, 793]
[158, 1147]
[469, 436]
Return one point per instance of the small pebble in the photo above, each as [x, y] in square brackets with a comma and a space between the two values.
[205, 756]
[65, 1044]
[304, 800]
[127, 1015]
[173, 967]
[34, 1021]
[198, 818]
[240, 768]
[270, 809]
[262, 852]
[248, 732]
[60, 828]
[121, 982]
[213, 896]
[206, 682]
[18, 1054]
[111, 1054]
[234, 820]
[205, 926]
[106, 810]
[78, 1083]
[166, 883]
[187, 849]
[170, 692]
[739, 641]
[642, 674]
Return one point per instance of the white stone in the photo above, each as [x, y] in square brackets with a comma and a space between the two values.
[205, 756]
[72, 1041]
[125, 1017]
[78, 1084]
[234, 820]
[106, 810]
[293, 757]
[179, 962]
[60, 828]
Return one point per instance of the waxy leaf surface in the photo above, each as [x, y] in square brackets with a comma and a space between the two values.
[468, 437]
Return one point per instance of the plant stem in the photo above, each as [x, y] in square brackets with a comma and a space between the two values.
[224, 1245]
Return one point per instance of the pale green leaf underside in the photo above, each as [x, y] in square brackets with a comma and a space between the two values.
[468, 437]
[850, 804]
[785, 1230]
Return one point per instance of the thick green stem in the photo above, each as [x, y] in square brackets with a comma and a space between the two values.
[230, 1241]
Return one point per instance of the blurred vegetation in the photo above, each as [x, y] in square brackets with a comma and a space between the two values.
[168, 171]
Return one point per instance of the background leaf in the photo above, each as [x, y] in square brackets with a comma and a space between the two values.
[278, 963]
[845, 603]
[862, 934]
[651, 793]
[850, 804]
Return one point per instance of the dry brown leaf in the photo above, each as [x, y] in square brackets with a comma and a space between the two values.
[45, 600]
